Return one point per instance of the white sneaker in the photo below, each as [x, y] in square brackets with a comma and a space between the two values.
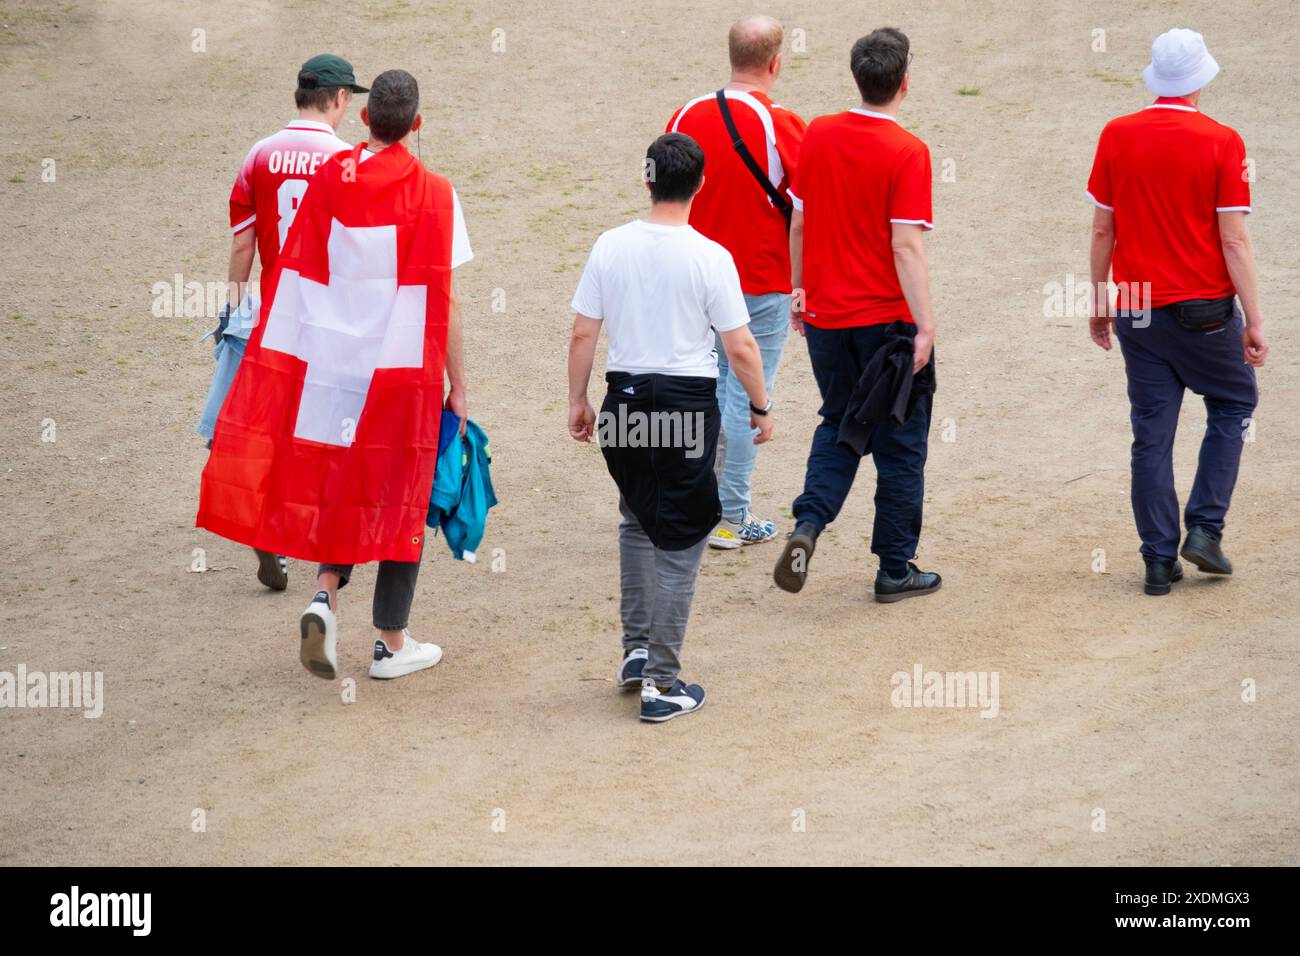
[729, 535]
[318, 648]
[413, 657]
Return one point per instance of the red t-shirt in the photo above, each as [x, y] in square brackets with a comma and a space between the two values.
[859, 172]
[1166, 172]
[732, 208]
[273, 179]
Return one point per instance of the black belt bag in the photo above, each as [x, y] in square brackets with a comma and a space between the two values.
[1197, 315]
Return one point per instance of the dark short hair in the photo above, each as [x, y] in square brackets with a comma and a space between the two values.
[310, 96]
[674, 168]
[879, 63]
[393, 104]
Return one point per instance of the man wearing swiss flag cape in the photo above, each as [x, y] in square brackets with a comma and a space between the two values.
[325, 449]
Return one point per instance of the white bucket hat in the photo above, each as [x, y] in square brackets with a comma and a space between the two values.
[1180, 64]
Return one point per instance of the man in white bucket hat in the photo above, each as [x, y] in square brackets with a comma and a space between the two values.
[1172, 191]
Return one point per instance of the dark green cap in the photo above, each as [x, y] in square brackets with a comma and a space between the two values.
[328, 70]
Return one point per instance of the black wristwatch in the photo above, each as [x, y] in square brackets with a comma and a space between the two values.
[764, 412]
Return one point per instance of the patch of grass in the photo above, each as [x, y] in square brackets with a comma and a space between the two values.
[969, 91]
[1112, 78]
[17, 178]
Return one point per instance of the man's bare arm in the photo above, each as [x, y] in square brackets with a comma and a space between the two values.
[457, 400]
[582, 356]
[796, 271]
[908, 243]
[243, 247]
[747, 365]
[1100, 252]
[1239, 254]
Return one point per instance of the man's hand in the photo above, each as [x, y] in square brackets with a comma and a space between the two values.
[456, 403]
[797, 312]
[1254, 346]
[764, 425]
[582, 420]
[923, 346]
[1099, 328]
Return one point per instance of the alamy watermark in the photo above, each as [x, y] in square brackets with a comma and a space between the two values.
[631, 428]
[44, 689]
[950, 689]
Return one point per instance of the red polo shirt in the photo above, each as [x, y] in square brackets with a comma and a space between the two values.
[859, 172]
[1166, 172]
[732, 208]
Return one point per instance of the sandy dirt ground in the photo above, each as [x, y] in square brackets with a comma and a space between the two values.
[518, 748]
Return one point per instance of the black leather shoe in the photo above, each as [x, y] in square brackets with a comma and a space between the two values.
[1202, 549]
[792, 567]
[915, 583]
[1161, 574]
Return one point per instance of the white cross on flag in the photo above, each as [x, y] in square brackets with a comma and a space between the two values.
[361, 321]
[326, 446]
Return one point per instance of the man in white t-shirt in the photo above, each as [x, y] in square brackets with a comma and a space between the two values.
[661, 290]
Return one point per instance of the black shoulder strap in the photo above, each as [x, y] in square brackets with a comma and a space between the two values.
[779, 201]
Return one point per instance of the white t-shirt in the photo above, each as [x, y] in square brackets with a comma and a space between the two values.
[661, 292]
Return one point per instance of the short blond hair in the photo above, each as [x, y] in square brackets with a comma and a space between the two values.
[754, 42]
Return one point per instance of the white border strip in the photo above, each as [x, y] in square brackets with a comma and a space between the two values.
[914, 222]
[1098, 203]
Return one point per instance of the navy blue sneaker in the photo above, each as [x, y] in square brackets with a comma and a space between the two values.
[658, 705]
[629, 672]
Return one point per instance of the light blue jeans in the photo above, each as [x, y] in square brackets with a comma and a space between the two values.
[769, 321]
[229, 353]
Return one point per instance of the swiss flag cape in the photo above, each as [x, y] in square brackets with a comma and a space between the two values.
[326, 446]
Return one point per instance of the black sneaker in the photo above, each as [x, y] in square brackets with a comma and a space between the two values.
[913, 584]
[1162, 574]
[272, 570]
[792, 567]
[660, 705]
[1202, 549]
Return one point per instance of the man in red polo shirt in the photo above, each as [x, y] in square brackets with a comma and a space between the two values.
[1172, 192]
[861, 194]
[746, 210]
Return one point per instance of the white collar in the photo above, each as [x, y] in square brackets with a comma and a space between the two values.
[1173, 106]
[310, 124]
[864, 112]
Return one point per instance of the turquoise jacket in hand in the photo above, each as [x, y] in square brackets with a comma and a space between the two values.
[462, 487]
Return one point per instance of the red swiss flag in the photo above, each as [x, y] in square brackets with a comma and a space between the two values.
[326, 446]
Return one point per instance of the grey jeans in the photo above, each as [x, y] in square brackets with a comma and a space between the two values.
[658, 587]
[394, 590]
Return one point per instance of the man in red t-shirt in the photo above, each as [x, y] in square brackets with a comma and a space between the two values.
[1172, 192]
[861, 195]
[263, 203]
[736, 208]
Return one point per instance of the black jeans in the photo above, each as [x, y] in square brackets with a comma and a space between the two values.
[394, 590]
[899, 451]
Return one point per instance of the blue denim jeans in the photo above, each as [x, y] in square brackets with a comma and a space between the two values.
[229, 353]
[1162, 361]
[769, 321]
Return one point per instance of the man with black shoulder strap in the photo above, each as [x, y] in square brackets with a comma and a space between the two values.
[750, 147]
[1172, 192]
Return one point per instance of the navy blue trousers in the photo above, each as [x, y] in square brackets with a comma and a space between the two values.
[838, 359]
[1162, 360]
